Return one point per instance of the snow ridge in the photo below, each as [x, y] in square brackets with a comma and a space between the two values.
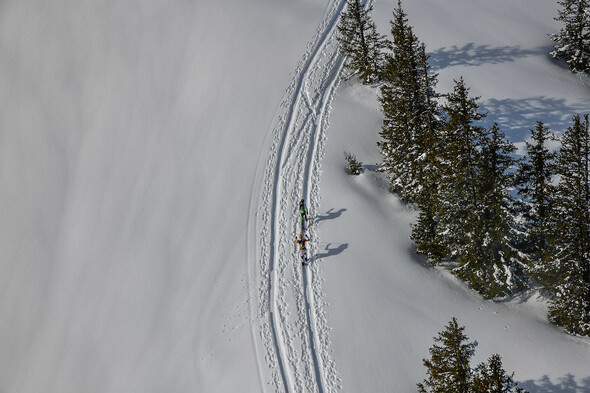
[293, 326]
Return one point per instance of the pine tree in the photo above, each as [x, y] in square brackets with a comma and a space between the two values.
[534, 183]
[409, 109]
[488, 261]
[573, 39]
[428, 125]
[426, 232]
[398, 99]
[570, 295]
[448, 367]
[457, 196]
[360, 42]
[353, 166]
[490, 377]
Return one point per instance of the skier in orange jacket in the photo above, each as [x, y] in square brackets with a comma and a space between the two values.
[302, 249]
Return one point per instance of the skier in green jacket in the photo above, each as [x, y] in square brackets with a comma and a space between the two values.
[303, 210]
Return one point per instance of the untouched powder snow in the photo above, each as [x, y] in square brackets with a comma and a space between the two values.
[130, 136]
[152, 156]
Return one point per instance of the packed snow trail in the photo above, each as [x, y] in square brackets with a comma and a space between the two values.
[293, 327]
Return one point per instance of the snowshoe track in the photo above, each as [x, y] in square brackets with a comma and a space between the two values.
[293, 326]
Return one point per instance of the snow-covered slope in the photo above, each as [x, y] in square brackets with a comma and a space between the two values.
[130, 136]
[386, 303]
[151, 158]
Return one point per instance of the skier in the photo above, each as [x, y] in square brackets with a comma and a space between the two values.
[302, 249]
[302, 211]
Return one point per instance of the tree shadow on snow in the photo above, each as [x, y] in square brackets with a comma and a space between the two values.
[516, 117]
[565, 384]
[476, 55]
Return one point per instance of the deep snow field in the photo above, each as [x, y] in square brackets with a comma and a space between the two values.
[152, 155]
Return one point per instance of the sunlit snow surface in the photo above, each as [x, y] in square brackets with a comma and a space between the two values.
[145, 244]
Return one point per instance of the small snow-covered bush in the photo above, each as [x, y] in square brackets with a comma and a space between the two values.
[353, 166]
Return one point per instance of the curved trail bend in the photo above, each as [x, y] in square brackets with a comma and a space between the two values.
[293, 328]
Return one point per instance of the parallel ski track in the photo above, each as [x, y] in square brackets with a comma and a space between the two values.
[297, 346]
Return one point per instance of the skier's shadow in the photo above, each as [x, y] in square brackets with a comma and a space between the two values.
[330, 215]
[331, 251]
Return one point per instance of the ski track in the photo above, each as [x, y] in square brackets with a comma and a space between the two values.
[291, 317]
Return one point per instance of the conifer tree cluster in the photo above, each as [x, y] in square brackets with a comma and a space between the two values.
[448, 369]
[409, 109]
[572, 43]
[555, 211]
[506, 223]
[534, 184]
[440, 158]
[569, 263]
[468, 215]
[360, 42]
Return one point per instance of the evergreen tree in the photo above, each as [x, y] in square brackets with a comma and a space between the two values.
[573, 39]
[426, 232]
[448, 367]
[409, 109]
[459, 157]
[353, 166]
[534, 183]
[429, 122]
[490, 377]
[489, 262]
[570, 295]
[360, 42]
[398, 100]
